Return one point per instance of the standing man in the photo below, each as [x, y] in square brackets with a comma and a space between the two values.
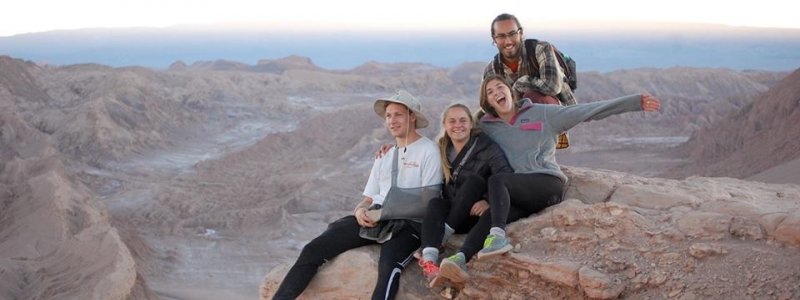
[543, 82]
[417, 166]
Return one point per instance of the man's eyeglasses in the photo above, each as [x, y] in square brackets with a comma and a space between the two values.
[508, 35]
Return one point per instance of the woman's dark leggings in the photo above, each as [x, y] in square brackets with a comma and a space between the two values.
[456, 212]
[342, 235]
[512, 195]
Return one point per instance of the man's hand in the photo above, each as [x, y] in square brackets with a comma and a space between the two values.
[479, 208]
[521, 85]
[383, 150]
[361, 213]
[363, 219]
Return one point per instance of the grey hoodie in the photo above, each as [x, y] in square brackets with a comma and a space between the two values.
[529, 142]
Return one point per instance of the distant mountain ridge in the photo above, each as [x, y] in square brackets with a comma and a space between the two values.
[595, 49]
[275, 66]
[98, 112]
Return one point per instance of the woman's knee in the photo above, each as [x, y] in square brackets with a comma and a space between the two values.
[437, 201]
[498, 180]
[438, 205]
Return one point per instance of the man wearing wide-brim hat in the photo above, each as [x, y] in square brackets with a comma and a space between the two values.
[416, 161]
[410, 102]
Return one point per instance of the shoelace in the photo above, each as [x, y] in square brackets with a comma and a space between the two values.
[455, 259]
[488, 242]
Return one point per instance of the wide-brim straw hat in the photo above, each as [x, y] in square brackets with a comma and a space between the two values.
[404, 98]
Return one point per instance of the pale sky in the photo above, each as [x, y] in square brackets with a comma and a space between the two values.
[25, 16]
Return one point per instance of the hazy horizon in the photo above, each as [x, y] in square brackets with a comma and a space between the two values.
[46, 15]
[620, 45]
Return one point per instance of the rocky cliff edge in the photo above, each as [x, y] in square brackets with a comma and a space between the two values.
[618, 236]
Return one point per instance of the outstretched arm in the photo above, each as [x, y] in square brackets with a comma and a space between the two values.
[562, 118]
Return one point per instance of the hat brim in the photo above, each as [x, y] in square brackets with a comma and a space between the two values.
[380, 110]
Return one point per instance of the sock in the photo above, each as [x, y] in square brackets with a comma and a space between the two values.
[448, 232]
[430, 254]
[497, 231]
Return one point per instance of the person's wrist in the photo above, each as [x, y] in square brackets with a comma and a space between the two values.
[357, 209]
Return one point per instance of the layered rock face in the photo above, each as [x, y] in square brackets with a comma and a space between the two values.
[618, 236]
[737, 146]
[56, 242]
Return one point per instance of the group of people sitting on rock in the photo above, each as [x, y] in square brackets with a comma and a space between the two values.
[486, 169]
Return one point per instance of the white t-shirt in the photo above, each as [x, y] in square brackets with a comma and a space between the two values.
[418, 166]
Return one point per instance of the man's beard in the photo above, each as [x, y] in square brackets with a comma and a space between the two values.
[512, 56]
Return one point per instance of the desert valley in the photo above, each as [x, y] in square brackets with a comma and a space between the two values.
[204, 180]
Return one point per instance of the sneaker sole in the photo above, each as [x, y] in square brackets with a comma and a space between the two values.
[436, 281]
[452, 271]
[498, 252]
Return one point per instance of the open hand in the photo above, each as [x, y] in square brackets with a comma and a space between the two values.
[650, 103]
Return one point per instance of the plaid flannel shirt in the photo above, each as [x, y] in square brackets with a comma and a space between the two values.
[550, 80]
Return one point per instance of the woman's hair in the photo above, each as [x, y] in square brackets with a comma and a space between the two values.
[444, 140]
[484, 99]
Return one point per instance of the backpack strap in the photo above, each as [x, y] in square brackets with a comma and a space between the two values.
[530, 49]
[464, 159]
[394, 167]
[561, 62]
[497, 65]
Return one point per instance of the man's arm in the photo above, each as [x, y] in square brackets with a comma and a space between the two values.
[550, 80]
[372, 189]
[431, 168]
[489, 69]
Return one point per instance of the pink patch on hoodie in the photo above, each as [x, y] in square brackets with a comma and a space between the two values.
[537, 126]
